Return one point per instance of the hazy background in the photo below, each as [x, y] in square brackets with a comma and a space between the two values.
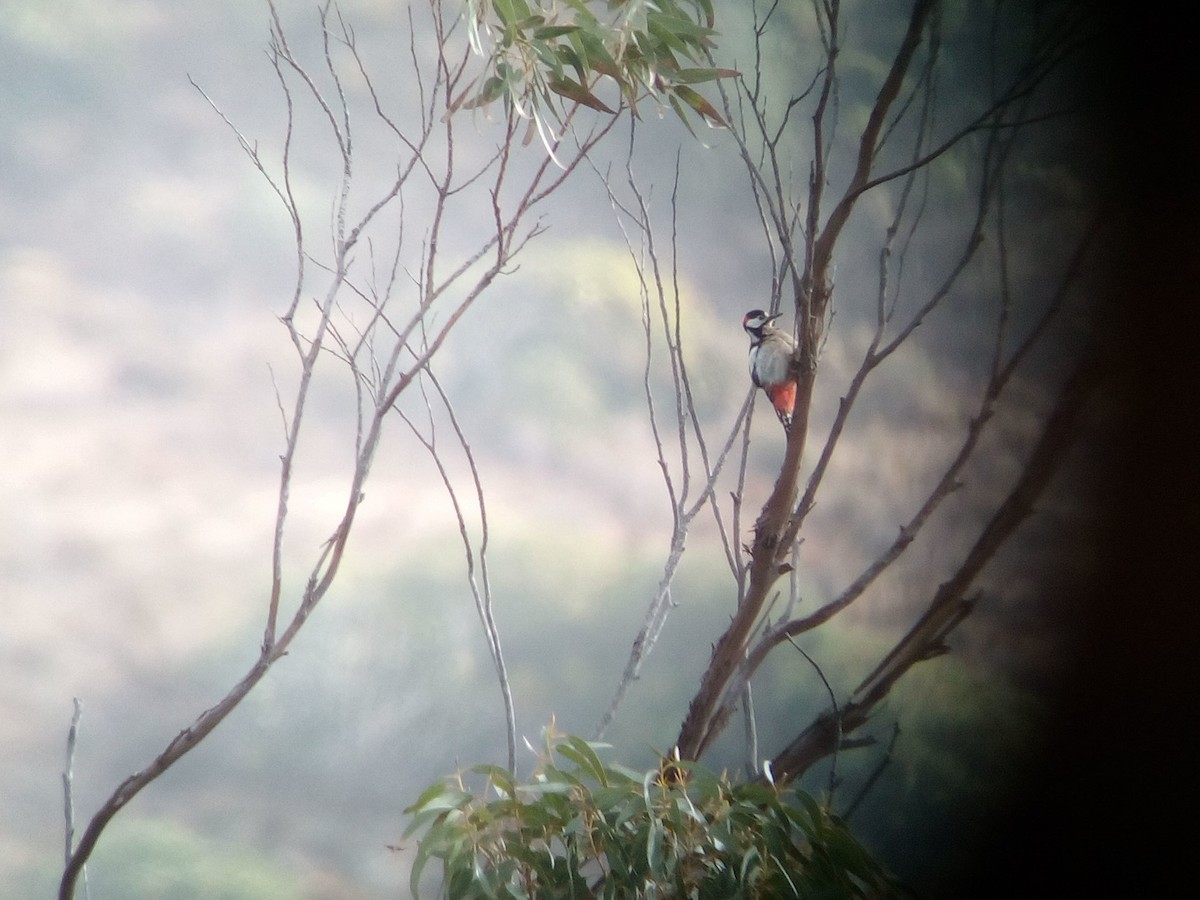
[142, 264]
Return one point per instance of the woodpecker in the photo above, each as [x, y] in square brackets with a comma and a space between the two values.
[771, 352]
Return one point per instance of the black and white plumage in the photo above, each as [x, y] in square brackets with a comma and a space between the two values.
[771, 352]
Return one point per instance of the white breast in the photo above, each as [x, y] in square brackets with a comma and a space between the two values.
[768, 364]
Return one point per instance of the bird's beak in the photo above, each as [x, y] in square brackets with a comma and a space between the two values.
[771, 319]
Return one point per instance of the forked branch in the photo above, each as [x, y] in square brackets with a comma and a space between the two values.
[771, 546]
[952, 601]
[377, 350]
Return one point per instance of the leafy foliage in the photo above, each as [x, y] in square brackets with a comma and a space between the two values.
[541, 52]
[581, 828]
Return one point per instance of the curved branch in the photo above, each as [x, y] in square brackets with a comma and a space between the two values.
[770, 550]
[951, 604]
[481, 588]
[868, 142]
[388, 381]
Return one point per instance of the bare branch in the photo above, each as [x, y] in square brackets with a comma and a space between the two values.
[868, 142]
[377, 351]
[771, 550]
[664, 315]
[787, 628]
[68, 781]
[950, 604]
[775, 534]
[481, 589]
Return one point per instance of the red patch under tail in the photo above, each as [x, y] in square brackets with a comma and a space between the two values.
[783, 398]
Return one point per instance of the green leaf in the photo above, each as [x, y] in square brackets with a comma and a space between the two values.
[548, 787]
[684, 29]
[492, 90]
[811, 809]
[663, 28]
[684, 804]
[548, 32]
[581, 10]
[579, 52]
[548, 58]
[700, 105]
[460, 882]
[755, 794]
[698, 75]
[511, 12]
[553, 773]
[703, 836]
[504, 11]
[434, 790]
[446, 798]
[679, 111]
[595, 55]
[499, 777]
[534, 21]
[414, 877]
[587, 750]
[749, 866]
[654, 842]
[568, 57]
[573, 90]
[421, 820]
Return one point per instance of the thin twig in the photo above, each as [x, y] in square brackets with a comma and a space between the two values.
[950, 604]
[664, 316]
[68, 781]
[336, 334]
[876, 773]
[481, 589]
[833, 704]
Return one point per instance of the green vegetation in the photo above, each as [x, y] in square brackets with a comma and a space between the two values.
[582, 828]
[540, 54]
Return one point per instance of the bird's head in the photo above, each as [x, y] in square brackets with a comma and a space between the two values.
[756, 320]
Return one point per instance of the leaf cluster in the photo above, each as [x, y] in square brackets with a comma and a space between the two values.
[542, 52]
[582, 828]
